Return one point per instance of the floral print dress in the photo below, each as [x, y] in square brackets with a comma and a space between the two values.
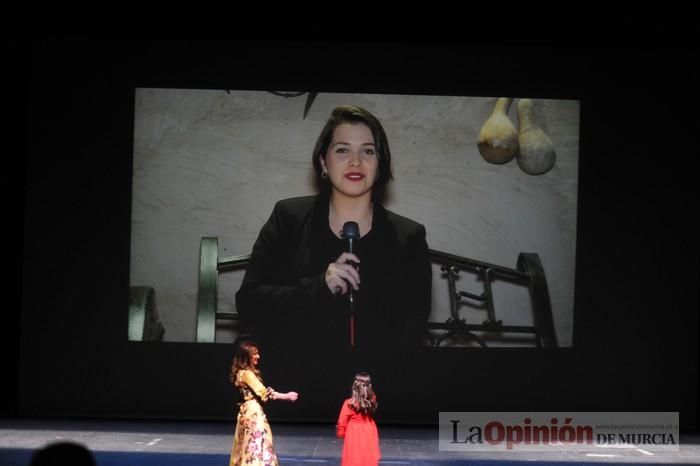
[252, 442]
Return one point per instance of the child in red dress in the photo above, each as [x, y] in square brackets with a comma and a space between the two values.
[356, 425]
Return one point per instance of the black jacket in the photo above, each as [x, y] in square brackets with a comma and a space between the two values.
[284, 298]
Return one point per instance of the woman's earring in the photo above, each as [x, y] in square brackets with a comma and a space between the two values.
[324, 174]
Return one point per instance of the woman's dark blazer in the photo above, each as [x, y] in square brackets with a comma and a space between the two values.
[284, 295]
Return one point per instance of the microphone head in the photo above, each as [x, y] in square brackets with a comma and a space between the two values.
[351, 230]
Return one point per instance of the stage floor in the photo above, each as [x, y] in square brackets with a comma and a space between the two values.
[116, 442]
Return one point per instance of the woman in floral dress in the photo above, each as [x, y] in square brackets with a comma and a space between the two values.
[252, 442]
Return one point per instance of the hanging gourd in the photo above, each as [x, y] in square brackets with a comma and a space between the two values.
[498, 138]
[536, 153]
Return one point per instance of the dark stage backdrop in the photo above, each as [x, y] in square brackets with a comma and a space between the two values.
[635, 314]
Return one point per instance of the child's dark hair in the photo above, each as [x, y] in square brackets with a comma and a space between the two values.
[363, 400]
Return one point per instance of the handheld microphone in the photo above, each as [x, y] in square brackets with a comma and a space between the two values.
[351, 232]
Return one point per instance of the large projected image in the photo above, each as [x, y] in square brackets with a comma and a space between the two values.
[493, 181]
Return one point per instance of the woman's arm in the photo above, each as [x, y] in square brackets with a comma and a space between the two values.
[268, 290]
[248, 377]
[288, 396]
[417, 285]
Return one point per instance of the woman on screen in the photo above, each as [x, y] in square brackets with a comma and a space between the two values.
[304, 286]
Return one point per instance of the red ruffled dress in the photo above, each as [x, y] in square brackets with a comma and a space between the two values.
[361, 446]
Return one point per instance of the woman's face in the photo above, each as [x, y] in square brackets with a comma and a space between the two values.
[351, 160]
[255, 358]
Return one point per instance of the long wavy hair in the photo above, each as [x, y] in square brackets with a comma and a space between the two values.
[243, 360]
[363, 399]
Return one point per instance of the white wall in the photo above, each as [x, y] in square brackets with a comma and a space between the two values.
[213, 163]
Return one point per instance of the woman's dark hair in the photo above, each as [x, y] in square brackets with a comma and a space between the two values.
[243, 359]
[363, 399]
[354, 115]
